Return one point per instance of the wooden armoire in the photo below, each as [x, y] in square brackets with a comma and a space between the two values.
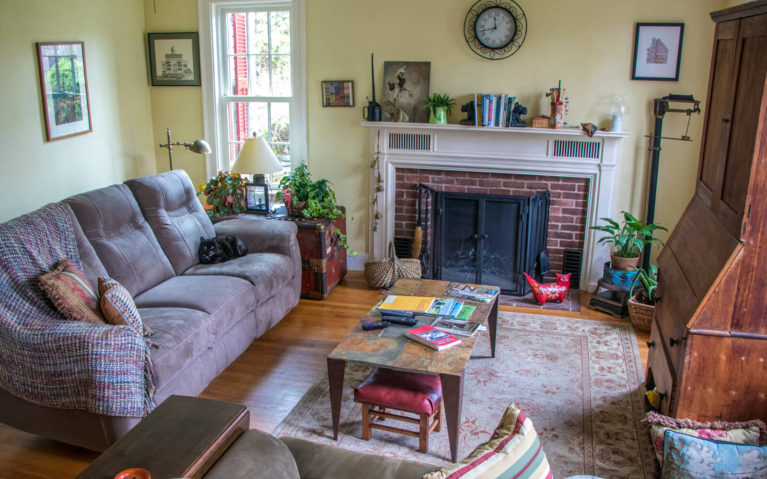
[708, 346]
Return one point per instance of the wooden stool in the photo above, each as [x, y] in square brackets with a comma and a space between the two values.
[419, 394]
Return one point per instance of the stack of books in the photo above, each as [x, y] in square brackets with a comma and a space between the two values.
[423, 305]
[493, 110]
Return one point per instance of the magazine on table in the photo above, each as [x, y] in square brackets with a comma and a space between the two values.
[407, 305]
[458, 327]
[432, 337]
[474, 293]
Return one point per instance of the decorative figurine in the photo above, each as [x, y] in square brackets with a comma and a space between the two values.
[468, 108]
[550, 291]
[516, 114]
[589, 128]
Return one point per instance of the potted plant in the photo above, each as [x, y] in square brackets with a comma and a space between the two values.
[627, 239]
[642, 304]
[224, 194]
[439, 107]
[306, 198]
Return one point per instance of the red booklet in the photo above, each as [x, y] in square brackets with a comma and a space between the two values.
[432, 337]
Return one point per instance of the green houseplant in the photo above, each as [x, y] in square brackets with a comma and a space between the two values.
[224, 194]
[439, 106]
[642, 304]
[627, 239]
[304, 197]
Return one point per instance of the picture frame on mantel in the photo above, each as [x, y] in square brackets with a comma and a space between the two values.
[64, 87]
[657, 51]
[174, 59]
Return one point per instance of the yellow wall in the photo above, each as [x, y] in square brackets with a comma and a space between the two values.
[36, 172]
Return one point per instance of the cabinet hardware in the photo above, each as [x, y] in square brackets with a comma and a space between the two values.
[673, 342]
[650, 344]
[725, 120]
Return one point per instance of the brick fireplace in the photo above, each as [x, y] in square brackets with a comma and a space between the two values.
[578, 170]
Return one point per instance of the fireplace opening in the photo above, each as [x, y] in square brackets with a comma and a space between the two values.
[488, 239]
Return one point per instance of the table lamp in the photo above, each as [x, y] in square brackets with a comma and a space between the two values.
[197, 146]
[257, 158]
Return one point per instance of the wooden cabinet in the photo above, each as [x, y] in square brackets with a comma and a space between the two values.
[708, 353]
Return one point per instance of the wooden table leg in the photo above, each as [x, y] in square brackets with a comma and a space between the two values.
[336, 368]
[492, 323]
[452, 394]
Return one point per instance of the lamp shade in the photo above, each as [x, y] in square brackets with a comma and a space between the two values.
[256, 157]
[200, 146]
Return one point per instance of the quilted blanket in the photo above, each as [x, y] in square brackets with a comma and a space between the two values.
[54, 362]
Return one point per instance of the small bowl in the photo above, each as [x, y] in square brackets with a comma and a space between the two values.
[133, 473]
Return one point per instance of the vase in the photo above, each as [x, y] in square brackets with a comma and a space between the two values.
[616, 277]
[438, 115]
[623, 264]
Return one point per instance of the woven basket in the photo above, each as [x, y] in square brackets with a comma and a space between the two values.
[641, 314]
[385, 272]
[623, 264]
[295, 209]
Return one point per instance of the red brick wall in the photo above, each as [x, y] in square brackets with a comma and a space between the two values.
[567, 214]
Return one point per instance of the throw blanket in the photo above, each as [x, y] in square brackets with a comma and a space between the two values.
[51, 361]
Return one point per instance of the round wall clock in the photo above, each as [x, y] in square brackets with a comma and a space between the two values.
[495, 29]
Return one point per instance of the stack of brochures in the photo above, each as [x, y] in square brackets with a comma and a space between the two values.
[473, 293]
[421, 305]
[457, 327]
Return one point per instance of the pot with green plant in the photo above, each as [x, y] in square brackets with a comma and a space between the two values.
[439, 106]
[642, 303]
[224, 195]
[306, 198]
[627, 240]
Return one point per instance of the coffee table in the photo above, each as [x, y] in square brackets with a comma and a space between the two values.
[389, 348]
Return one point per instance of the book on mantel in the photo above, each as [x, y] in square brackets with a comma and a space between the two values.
[432, 337]
[408, 305]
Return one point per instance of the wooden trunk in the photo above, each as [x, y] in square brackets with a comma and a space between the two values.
[323, 260]
[709, 338]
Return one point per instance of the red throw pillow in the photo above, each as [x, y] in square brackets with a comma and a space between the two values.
[71, 293]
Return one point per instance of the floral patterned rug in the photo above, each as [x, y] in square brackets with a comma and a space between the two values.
[581, 383]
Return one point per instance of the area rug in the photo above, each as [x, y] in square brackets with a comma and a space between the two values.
[571, 303]
[581, 383]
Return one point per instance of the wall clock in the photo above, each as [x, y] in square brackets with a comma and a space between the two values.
[495, 29]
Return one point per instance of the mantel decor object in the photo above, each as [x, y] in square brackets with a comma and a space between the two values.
[405, 89]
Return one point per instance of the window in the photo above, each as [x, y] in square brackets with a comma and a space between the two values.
[257, 78]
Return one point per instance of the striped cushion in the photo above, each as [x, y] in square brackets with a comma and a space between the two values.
[513, 451]
[118, 307]
[71, 293]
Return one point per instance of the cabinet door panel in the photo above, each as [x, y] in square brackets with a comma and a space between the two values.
[675, 308]
[659, 373]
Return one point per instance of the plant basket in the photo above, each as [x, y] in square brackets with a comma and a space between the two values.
[641, 314]
[385, 272]
[295, 209]
[623, 264]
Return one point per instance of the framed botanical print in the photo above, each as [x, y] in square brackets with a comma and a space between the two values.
[64, 86]
[657, 51]
[174, 59]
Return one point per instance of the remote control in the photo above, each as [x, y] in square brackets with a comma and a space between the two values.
[400, 320]
[376, 325]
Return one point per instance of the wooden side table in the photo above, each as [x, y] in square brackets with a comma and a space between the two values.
[183, 437]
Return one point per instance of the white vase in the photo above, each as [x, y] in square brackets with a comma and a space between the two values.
[617, 122]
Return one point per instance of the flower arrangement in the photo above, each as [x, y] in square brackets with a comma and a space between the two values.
[225, 194]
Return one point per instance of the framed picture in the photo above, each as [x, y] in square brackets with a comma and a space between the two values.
[338, 93]
[64, 86]
[657, 51]
[256, 198]
[174, 59]
[405, 89]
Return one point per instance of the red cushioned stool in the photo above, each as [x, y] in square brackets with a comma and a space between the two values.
[415, 393]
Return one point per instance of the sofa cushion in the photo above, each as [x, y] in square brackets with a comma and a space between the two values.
[255, 454]
[267, 272]
[224, 297]
[112, 221]
[71, 293]
[118, 307]
[170, 205]
[690, 457]
[92, 266]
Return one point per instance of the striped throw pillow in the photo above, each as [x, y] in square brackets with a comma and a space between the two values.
[514, 450]
[71, 293]
[118, 306]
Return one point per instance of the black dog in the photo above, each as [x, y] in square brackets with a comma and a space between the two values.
[220, 249]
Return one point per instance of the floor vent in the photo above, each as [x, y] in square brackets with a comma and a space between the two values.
[577, 149]
[572, 264]
[402, 246]
[410, 141]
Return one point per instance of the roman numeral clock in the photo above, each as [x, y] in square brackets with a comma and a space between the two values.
[495, 29]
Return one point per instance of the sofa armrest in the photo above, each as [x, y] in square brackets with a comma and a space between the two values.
[65, 364]
[261, 235]
[318, 461]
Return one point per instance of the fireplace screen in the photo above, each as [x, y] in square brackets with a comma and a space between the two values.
[489, 239]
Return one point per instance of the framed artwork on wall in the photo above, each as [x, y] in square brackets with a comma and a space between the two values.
[174, 59]
[338, 93]
[657, 51]
[64, 86]
[405, 89]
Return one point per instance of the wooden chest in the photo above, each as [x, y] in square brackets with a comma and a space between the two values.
[323, 260]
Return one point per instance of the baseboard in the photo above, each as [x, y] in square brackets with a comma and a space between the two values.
[356, 263]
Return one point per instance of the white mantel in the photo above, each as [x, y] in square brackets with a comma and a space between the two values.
[528, 151]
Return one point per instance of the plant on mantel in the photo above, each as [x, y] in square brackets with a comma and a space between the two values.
[304, 197]
[439, 104]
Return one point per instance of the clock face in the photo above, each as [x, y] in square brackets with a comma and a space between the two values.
[495, 27]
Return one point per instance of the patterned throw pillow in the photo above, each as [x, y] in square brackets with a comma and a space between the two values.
[71, 293]
[118, 306]
[690, 457]
[750, 433]
[514, 450]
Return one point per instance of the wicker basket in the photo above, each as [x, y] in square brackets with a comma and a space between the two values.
[385, 272]
[641, 314]
[623, 264]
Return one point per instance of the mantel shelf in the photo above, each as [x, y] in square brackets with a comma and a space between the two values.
[574, 131]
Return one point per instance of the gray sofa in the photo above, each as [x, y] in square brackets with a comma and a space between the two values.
[145, 234]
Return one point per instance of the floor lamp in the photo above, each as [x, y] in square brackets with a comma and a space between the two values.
[197, 146]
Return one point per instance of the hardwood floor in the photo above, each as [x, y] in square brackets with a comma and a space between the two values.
[270, 377]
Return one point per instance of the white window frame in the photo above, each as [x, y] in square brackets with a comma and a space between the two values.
[211, 52]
